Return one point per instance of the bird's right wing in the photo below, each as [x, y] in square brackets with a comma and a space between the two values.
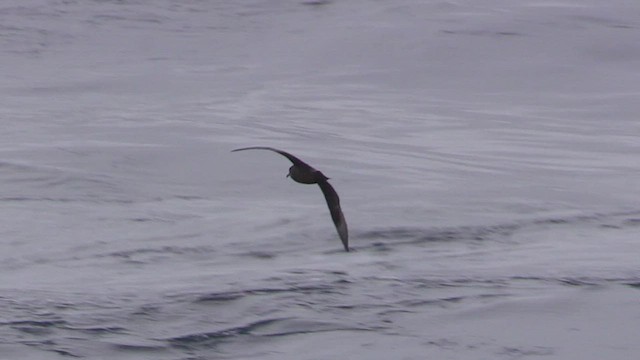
[333, 201]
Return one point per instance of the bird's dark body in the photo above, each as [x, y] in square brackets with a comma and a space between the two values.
[304, 173]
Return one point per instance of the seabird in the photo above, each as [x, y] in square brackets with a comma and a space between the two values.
[305, 174]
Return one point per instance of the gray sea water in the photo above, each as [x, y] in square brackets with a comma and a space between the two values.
[485, 152]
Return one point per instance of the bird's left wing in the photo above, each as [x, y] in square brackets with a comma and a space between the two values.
[291, 158]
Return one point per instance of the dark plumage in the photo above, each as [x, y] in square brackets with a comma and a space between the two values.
[305, 174]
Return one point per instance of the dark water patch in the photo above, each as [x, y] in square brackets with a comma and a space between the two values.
[554, 221]
[212, 338]
[99, 330]
[138, 348]
[297, 327]
[469, 282]
[517, 352]
[446, 344]
[38, 331]
[483, 33]
[316, 2]
[381, 247]
[237, 295]
[260, 255]
[360, 306]
[384, 240]
[406, 235]
[588, 282]
[446, 301]
[596, 218]
[291, 289]
[146, 219]
[148, 311]
[51, 346]
[267, 328]
[635, 285]
[578, 282]
[131, 344]
[418, 236]
[602, 21]
[631, 222]
[35, 323]
[487, 288]
[66, 353]
[144, 255]
[78, 182]
[221, 297]
[337, 272]
[438, 302]
[563, 281]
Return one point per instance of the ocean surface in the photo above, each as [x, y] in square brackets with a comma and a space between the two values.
[486, 154]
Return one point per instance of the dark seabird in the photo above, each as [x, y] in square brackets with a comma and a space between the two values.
[305, 174]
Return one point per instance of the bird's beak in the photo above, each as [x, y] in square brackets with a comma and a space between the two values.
[287, 175]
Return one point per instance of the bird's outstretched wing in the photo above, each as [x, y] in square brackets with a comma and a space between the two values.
[292, 158]
[333, 201]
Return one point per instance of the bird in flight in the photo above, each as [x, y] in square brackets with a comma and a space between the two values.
[305, 174]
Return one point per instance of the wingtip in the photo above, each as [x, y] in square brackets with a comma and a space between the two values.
[344, 237]
[245, 148]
